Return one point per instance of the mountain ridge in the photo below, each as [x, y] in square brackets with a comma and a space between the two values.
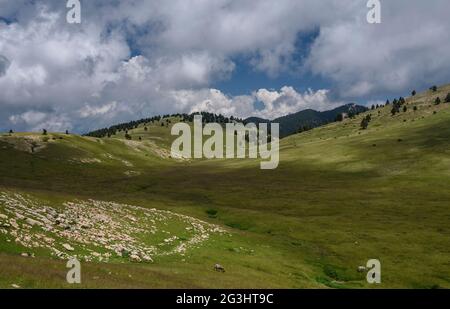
[289, 124]
[309, 118]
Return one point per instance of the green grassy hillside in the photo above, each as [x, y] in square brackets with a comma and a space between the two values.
[340, 196]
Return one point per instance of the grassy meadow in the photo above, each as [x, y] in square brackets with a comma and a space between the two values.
[340, 196]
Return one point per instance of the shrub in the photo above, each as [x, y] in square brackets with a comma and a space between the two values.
[447, 98]
[365, 122]
[339, 117]
[212, 213]
[437, 101]
[395, 109]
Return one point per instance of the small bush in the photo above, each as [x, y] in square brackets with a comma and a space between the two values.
[447, 98]
[365, 122]
[237, 225]
[212, 213]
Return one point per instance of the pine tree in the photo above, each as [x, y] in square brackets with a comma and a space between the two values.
[340, 117]
[447, 98]
[365, 123]
[413, 93]
[393, 111]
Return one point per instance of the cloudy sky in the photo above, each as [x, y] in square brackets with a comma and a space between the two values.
[138, 58]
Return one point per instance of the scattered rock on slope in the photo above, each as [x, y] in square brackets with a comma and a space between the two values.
[99, 231]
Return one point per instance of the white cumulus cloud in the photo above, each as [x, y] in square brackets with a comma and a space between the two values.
[137, 58]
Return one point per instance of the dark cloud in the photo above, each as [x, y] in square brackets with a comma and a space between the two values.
[4, 65]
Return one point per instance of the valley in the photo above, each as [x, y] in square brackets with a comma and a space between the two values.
[340, 196]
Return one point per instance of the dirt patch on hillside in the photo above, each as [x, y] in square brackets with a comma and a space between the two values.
[152, 147]
[28, 143]
[86, 160]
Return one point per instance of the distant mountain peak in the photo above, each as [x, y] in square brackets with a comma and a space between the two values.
[308, 118]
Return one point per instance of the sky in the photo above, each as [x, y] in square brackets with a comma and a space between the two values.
[132, 59]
